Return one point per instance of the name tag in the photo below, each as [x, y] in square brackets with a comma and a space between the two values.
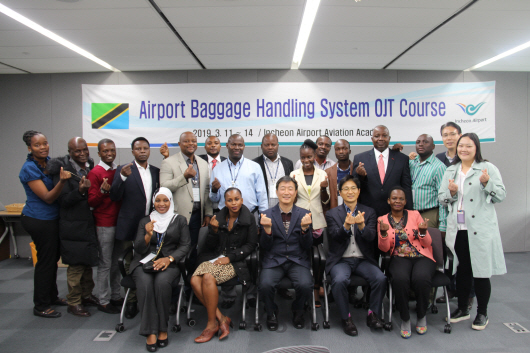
[147, 258]
[340, 200]
[217, 258]
[196, 194]
[272, 192]
[461, 216]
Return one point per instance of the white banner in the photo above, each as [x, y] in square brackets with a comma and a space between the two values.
[293, 111]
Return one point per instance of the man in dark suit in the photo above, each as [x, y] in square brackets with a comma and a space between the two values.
[352, 234]
[134, 184]
[379, 169]
[285, 239]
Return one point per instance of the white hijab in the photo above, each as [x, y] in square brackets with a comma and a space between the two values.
[163, 219]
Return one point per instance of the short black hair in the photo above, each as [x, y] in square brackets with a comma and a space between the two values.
[450, 124]
[101, 142]
[473, 137]
[232, 189]
[326, 136]
[348, 178]
[286, 179]
[269, 134]
[309, 144]
[212, 136]
[233, 137]
[397, 187]
[139, 139]
[28, 135]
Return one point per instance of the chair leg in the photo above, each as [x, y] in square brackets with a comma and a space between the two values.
[120, 327]
[242, 324]
[179, 304]
[391, 299]
[257, 309]
[191, 321]
[447, 328]
[325, 324]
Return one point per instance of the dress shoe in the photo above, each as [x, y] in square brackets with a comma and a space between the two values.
[91, 300]
[151, 347]
[480, 322]
[131, 310]
[108, 308]
[349, 327]
[459, 315]
[272, 321]
[298, 319]
[373, 321]
[162, 343]
[227, 304]
[60, 302]
[441, 299]
[207, 335]
[117, 303]
[78, 310]
[285, 293]
[225, 328]
[48, 313]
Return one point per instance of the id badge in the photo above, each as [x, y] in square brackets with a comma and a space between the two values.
[148, 258]
[196, 195]
[460, 217]
[272, 192]
[340, 200]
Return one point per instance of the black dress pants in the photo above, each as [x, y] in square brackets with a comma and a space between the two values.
[45, 235]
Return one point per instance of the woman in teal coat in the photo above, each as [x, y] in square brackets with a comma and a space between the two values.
[470, 188]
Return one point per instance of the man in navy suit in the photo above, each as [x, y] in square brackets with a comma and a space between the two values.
[134, 184]
[285, 241]
[380, 169]
[352, 234]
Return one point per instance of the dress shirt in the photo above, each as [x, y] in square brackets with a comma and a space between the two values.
[145, 174]
[427, 178]
[327, 163]
[352, 250]
[385, 154]
[274, 172]
[106, 166]
[248, 179]
[215, 205]
[80, 171]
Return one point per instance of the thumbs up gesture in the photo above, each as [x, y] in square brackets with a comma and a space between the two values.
[216, 185]
[453, 188]
[164, 150]
[484, 178]
[126, 171]
[214, 223]
[190, 172]
[383, 227]
[360, 170]
[306, 221]
[325, 183]
[266, 222]
[422, 227]
[149, 227]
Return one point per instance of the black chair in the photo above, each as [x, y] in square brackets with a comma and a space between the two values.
[439, 279]
[128, 283]
[232, 282]
[355, 281]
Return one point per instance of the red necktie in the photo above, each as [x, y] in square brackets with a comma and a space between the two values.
[381, 167]
[214, 163]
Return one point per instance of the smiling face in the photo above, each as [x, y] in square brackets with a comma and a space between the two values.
[397, 200]
[78, 150]
[450, 137]
[162, 203]
[350, 192]
[188, 143]
[107, 153]
[39, 146]
[381, 138]
[307, 157]
[235, 147]
[233, 200]
[466, 149]
[286, 192]
[324, 146]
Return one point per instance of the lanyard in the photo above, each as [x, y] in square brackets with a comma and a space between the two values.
[277, 168]
[159, 241]
[231, 175]
[417, 174]
[196, 177]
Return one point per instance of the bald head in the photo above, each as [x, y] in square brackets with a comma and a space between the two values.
[380, 138]
[235, 147]
[78, 151]
[188, 143]
[269, 146]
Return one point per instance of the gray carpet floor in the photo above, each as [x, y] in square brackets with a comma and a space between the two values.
[20, 331]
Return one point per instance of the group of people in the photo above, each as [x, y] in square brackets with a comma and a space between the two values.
[382, 201]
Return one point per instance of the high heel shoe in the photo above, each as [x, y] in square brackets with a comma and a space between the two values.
[225, 328]
[162, 343]
[207, 335]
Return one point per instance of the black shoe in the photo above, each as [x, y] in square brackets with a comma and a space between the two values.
[459, 315]
[162, 343]
[227, 304]
[48, 313]
[131, 310]
[285, 293]
[373, 321]
[109, 309]
[151, 347]
[60, 302]
[298, 319]
[272, 321]
[251, 302]
[117, 303]
[349, 327]
[91, 300]
[480, 322]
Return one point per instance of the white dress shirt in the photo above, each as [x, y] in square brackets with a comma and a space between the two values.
[147, 181]
[274, 172]
[106, 166]
[215, 205]
[385, 156]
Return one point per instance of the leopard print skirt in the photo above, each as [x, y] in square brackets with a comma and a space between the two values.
[221, 273]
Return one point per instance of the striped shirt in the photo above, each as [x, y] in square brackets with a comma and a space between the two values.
[426, 181]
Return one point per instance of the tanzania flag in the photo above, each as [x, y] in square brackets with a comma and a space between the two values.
[110, 115]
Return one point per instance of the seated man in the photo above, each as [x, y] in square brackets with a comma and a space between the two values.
[286, 238]
[352, 233]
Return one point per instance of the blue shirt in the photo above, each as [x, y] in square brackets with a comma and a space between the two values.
[248, 178]
[35, 207]
[342, 173]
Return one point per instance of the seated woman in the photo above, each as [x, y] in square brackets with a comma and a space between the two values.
[165, 234]
[404, 235]
[232, 236]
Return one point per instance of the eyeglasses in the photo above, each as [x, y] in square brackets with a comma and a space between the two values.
[452, 134]
[353, 188]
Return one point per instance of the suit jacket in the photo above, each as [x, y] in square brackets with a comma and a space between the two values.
[339, 239]
[287, 167]
[280, 247]
[177, 242]
[172, 177]
[443, 157]
[333, 186]
[205, 157]
[132, 194]
[312, 202]
[375, 195]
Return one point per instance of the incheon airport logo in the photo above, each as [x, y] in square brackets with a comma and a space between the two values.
[471, 109]
[110, 115]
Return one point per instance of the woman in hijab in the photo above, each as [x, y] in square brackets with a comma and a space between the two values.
[163, 239]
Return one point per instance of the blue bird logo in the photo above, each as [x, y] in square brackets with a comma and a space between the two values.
[470, 109]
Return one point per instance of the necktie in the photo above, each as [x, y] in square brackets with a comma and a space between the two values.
[214, 163]
[381, 167]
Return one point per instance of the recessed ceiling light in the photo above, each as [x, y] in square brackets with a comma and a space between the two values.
[500, 56]
[310, 12]
[27, 22]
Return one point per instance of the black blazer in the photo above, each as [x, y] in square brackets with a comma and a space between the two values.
[287, 166]
[339, 240]
[235, 244]
[177, 242]
[132, 194]
[280, 247]
[205, 157]
[443, 158]
[375, 195]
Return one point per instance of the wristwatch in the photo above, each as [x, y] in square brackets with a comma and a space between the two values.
[171, 259]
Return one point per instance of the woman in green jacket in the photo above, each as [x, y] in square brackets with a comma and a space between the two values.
[470, 188]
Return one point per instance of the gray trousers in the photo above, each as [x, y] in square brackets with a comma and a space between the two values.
[108, 271]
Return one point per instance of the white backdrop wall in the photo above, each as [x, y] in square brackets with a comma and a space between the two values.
[51, 103]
